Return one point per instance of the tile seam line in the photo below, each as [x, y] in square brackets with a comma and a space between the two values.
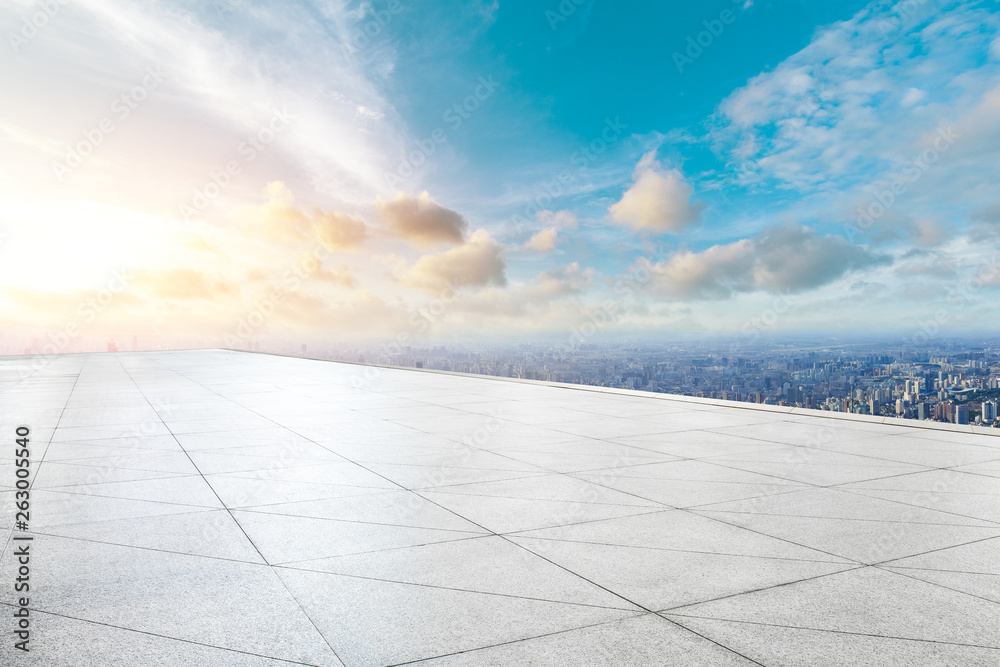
[451, 588]
[915, 472]
[168, 637]
[623, 597]
[137, 518]
[782, 539]
[889, 562]
[154, 549]
[995, 522]
[156, 502]
[251, 510]
[832, 631]
[436, 489]
[236, 521]
[144, 479]
[687, 551]
[731, 466]
[702, 508]
[849, 568]
[568, 630]
[639, 614]
[680, 398]
[938, 584]
[932, 569]
[378, 551]
[778, 444]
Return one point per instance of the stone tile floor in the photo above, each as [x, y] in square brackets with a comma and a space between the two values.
[226, 508]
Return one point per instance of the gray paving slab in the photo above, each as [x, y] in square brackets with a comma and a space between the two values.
[803, 647]
[377, 622]
[634, 642]
[865, 601]
[484, 564]
[72, 642]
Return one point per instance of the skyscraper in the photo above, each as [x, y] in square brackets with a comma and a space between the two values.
[989, 412]
[961, 414]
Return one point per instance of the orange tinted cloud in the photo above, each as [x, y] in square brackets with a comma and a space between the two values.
[282, 220]
[421, 221]
[184, 284]
[477, 263]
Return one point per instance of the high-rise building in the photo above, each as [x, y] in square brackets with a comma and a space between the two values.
[989, 412]
[922, 411]
[961, 414]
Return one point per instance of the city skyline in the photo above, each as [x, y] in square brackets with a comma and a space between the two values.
[451, 170]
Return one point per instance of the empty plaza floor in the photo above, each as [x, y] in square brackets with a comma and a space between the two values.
[225, 508]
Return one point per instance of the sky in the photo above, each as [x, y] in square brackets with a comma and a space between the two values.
[243, 170]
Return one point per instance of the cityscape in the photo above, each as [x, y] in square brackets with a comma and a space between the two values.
[952, 382]
[957, 380]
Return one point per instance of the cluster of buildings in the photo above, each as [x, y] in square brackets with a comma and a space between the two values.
[954, 382]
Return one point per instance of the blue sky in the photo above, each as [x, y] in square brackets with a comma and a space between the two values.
[667, 167]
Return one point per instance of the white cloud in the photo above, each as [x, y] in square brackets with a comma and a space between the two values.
[786, 258]
[562, 219]
[225, 79]
[543, 241]
[477, 263]
[659, 199]
[858, 99]
[913, 96]
[557, 283]
[547, 238]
